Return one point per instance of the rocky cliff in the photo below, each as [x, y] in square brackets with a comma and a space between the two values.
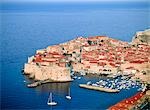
[142, 37]
[39, 72]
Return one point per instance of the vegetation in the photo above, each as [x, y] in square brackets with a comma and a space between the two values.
[145, 38]
[89, 42]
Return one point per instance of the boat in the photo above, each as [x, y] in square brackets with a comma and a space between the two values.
[139, 89]
[50, 102]
[95, 84]
[79, 77]
[107, 79]
[72, 73]
[83, 73]
[75, 77]
[34, 84]
[98, 82]
[68, 96]
[144, 88]
[89, 83]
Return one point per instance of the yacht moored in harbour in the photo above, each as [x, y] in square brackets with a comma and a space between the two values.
[50, 101]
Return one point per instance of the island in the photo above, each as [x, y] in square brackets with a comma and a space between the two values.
[99, 55]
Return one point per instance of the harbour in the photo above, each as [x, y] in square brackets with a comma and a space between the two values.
[90, 82]
[27, 28]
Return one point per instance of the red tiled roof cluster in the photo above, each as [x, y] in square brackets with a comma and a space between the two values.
[126, 103]
[52, 57]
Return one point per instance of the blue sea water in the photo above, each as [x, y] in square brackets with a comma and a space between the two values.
[26, 28]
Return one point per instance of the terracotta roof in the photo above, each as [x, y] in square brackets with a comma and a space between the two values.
[126, 103]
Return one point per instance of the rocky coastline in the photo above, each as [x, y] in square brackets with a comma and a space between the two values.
[91, 55]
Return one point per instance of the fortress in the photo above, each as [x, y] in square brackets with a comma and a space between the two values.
[96, 54]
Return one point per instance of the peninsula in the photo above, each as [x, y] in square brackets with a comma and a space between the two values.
[92, 55]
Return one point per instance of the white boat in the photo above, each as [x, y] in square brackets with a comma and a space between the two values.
[72, 73]
[68, 96]
[139, 89]
[89, 83]
[74, 77]
[83, 73]
[144, 88]
[50, 101]
[107, 79]
[79, 77]
[95, 84]
[101, 86]
[101, 81]
[121, 87]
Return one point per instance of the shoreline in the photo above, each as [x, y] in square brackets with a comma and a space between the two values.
[38, 83]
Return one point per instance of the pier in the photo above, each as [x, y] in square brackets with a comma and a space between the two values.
[98, 88]
[38, 83]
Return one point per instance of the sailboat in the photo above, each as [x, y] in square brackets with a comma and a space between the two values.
[50, 102]
[68, 96]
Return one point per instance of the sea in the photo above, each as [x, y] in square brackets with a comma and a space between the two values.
[26, 27]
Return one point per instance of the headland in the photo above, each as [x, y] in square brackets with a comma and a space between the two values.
[99, 55]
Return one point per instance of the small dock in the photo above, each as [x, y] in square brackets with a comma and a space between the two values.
[98, 88]
[32, 85]
[38, 83]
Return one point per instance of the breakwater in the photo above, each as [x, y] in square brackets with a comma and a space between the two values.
[98, 88]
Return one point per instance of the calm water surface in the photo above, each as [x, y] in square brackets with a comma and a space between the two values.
[24, 32]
